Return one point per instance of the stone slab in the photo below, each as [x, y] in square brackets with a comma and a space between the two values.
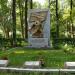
[3, 63]
[32, 64]
[70, 65]
[38, 42]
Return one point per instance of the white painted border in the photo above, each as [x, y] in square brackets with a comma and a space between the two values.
[36, 70]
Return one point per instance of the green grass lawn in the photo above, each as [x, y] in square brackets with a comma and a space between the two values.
[52, 58]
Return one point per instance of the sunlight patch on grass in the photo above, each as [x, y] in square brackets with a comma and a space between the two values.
[19, 52]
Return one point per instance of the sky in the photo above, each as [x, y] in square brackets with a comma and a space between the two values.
[40, 1]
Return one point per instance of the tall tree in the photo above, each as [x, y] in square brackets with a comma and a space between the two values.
[57, 20]
[20, 3]
[71, 7]
[5, 22]
[26, 24]
[49, 4]
[14, 21]
[31, 4]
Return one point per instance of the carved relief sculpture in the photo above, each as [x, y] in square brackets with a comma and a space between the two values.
[36, 20]
[39, 28]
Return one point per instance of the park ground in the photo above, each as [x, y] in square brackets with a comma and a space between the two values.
[52, 58]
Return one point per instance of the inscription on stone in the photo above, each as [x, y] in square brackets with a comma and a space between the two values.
[39, 42]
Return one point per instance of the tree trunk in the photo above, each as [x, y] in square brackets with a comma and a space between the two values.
[14, 21]
[31, 4]
[72, 31]
[57, 20]
[26, 24]
[7, 33]
[49, 4]
[21, 17]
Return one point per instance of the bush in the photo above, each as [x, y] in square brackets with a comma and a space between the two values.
[1, 36]
[68, 48]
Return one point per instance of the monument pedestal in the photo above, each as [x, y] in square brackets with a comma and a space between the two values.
[38, 42]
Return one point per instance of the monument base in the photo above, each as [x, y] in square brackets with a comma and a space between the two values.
[39, 43]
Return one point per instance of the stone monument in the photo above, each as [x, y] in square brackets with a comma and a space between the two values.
[39, 28]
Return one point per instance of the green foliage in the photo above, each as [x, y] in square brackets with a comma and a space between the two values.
[68, 48]
[1, 36]
[65, 15]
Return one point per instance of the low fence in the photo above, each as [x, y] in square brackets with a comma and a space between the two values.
[22, 71]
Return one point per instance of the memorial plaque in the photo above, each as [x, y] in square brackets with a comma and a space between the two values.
[70, 65]
[41, 42]
[32, 64]
[39, 28]
[3, 63]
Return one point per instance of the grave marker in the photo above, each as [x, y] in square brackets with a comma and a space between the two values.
[70, 65]
[32, 64]
[3, 63]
